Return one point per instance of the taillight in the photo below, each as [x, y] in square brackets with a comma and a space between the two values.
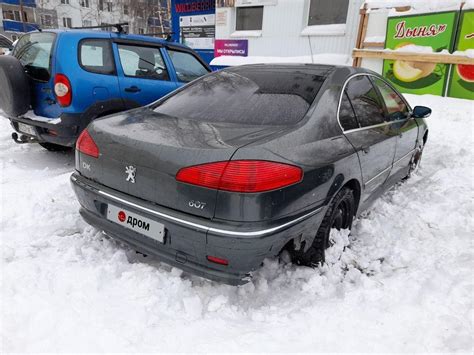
[63, 90]
[242, 175]
[86, 145]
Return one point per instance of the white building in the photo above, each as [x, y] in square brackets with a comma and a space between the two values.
[290, 28]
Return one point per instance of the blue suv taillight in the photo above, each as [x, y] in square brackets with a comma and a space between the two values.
[63, 90]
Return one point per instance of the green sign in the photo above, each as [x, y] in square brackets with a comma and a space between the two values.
[461, 83]
[436, 30]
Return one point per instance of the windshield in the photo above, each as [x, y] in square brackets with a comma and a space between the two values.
[256, 95]
[34, 53]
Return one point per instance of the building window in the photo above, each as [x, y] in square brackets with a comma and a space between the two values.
[85, 3]
[125, 9]
[67, 22]
[141, 31]
[323, 12]
[87, 23]
[109, 7]
[65, 2]
[13, 15]
[46, 20]
[101, 5]
[249, 18]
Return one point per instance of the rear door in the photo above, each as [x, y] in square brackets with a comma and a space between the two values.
[96, 82]
[144, 76]
[398, 113]
[374, 139]
[35, 52]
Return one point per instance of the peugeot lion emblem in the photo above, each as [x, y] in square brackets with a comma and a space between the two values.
[130, 171]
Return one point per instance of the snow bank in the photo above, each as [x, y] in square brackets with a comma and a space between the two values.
[401, 282]
[335, 59]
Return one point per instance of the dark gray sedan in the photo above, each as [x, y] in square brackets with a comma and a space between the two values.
[247, 162]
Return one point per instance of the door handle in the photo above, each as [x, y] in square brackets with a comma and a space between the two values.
[366, 150]
[133, 89]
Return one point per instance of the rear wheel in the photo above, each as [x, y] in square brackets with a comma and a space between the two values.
[55, 147]
[339, 216]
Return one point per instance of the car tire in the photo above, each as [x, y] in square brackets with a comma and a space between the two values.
[55, 147]
[415, 162]
[15, 92]
[339, 215]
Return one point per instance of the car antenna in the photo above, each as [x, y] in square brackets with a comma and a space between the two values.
[118, 27]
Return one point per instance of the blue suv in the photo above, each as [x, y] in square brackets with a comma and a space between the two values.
[56, 82]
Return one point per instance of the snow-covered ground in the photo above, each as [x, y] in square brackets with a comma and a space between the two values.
[405, 283]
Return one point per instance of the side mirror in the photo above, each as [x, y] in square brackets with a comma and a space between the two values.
[421, 112]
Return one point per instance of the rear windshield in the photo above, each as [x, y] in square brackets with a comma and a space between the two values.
[34, 52]
[257, 96]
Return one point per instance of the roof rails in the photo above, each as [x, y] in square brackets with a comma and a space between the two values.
[168, 35]
[118, 27]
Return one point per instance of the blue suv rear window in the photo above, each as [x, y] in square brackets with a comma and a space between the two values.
[34, 53]
[96, 56]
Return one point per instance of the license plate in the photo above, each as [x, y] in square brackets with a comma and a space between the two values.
[137, 223]
[24, 128]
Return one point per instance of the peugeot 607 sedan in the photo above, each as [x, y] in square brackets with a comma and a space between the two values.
[244, 163]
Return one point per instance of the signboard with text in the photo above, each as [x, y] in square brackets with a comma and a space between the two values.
[436, 30]
[461, 82]
[231, 47]
[198, 31]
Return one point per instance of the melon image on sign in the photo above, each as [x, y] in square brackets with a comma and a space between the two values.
[435, 31]
[461, 81]
[411, 71]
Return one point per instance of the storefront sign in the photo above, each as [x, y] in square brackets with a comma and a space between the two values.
[435, 30]
[231, 47]
[198, 31]
[461, 83]
[255, 2]
[195, 6]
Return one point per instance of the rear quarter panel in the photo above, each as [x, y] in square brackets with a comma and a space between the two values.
[318, 146]
[87, 88]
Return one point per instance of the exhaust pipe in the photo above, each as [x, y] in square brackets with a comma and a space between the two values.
[22, 139]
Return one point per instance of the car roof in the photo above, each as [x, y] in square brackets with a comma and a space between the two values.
[323, 70]
[106, 34]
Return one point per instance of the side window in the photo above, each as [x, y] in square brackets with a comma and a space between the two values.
[95, 56]
[143, 62]
[365, 101]
[187, 66]
[396, 107]
[323, 12]
[347, 117]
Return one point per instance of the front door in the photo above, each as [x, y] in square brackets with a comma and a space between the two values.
[375, 139]
[398, 113]
[143, 74]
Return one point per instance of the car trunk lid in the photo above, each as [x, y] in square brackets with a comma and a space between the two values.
[141, 152]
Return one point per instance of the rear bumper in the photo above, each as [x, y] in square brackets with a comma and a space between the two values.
[188, 239]
[65, 132]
